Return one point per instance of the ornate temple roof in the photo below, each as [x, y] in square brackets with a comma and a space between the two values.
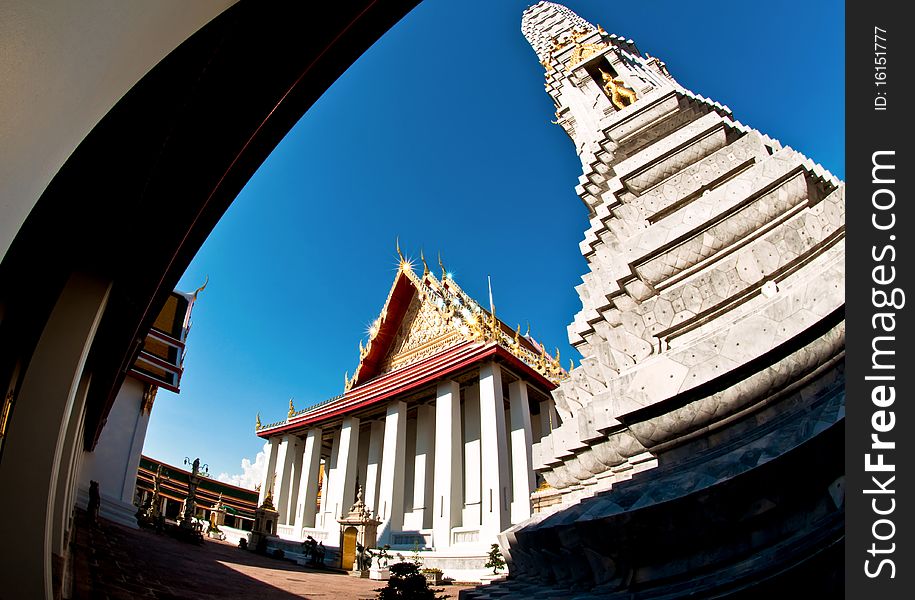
[428, 327]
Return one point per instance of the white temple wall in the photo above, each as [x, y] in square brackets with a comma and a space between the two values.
[114, 462]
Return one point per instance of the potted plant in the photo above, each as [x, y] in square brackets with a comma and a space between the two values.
[432, 575]
[379, 570]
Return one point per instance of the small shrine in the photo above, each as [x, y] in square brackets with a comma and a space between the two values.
[217, 513]
[358, 533]
[265, 518]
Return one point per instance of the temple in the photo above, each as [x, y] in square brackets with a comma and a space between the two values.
[168, 485]
[435, 426]
[114, 460]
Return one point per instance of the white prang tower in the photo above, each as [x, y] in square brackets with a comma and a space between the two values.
[715, 257]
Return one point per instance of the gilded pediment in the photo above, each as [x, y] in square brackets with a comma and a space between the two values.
[423, 332]
[424, 315]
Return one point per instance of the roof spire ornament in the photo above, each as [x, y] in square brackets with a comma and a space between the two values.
[444, 273]
[201, 288]
[291, 409]
[492, 306]
[257, 422]
[399, 253]
[425, 266]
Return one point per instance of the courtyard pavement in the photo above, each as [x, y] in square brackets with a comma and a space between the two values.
[116, 563]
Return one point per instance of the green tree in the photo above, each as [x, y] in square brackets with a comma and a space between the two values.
[496, 561]
[407, 583]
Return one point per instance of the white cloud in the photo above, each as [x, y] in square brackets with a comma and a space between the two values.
[252, 472]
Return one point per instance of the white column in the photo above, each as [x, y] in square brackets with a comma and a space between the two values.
[308, 480]
[284, 459]
[327, 520]
[447, 492]
[493, 446]
[272, 448]
[421, 515]
[36, 436]
[341, 488]
[295, 477]
[522, 474]
[390, 494]
[470, 516]
[373, 465]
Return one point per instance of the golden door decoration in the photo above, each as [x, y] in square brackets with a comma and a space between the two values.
[349, 548]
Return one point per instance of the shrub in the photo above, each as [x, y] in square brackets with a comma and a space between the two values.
[496, 561]
[407, 583]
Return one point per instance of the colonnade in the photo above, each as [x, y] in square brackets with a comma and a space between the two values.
[455, 473]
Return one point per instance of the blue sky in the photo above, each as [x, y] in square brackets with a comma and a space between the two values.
[440, 134]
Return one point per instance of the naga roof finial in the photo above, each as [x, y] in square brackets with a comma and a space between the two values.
[425, 266]
[201, 288]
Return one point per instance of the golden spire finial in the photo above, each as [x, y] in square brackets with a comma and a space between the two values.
[528, 334]
[517, 334]
[291, 408]
[422, 257]
[571, 364]
[440, 264]
[399, 254]
[201, 288]
[257, 422]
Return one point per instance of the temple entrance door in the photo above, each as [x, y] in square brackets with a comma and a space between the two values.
[349, 548]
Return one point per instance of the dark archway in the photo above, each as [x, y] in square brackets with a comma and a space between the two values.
[118, 224]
